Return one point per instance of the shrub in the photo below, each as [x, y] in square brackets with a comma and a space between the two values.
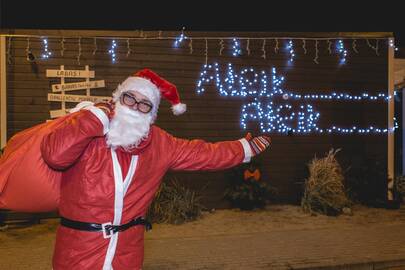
[250, 193]
[366, 182]
[175, 204]
[324, 189]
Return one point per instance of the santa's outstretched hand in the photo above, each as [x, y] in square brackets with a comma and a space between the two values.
[258, 144]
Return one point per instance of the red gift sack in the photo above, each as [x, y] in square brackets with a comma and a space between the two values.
[27, 183]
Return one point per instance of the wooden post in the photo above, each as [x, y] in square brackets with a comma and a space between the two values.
[3, 91]
[390, 145]
[87, 80]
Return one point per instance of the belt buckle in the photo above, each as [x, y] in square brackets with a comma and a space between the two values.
[106, 228]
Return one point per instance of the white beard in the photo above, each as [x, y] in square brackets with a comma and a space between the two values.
[128, 127]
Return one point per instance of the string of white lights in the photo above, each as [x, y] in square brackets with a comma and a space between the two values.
[9, 61]
[280, 118]
[264, 49]
[276, 46]
[95, 46]
[236, 48]
[329, 46]
[316, 52]
[206, 51]
[112, 50]
[342, 51]
[62, 46]
[290, 49]
[222, 46]
[180, 39]
[375, 48]
[128, 48]
[142, 35]
[28, 49]
[46, 53]
[354, 46]
[79, 51]
[303, 46]
[190, 45]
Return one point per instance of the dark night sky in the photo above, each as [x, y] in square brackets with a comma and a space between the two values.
[335, 16]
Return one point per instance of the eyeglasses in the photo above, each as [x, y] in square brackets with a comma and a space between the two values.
[131, 101]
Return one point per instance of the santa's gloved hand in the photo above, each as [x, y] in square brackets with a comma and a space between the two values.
[258, 144]
[107, 108]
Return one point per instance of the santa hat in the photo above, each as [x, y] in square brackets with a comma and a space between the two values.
[153, 87]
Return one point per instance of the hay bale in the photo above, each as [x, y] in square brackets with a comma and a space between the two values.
[400, 186]
[175, 204]
[324, 189]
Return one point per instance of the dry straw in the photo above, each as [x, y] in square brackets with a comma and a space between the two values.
[324, 189]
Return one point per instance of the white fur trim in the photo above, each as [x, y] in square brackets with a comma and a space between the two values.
[179, 108]
[81, 105]
[247, 150]
[101, 116]
[143, 86]
[121, 188]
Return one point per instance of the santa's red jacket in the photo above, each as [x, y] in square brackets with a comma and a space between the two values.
[94, 190]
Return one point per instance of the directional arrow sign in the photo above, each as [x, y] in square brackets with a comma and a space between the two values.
[70, 73]
[77, 98]
[77, 86]
[57, 113]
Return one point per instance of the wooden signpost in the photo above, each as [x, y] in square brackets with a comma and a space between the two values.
[61, 88]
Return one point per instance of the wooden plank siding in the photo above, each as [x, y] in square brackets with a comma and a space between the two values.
[213, 117]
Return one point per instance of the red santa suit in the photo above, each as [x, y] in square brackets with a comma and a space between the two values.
[100, 185]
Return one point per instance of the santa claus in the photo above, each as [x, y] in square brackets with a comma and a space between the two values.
[113, 159]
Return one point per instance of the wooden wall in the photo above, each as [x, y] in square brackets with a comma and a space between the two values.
[213, 117]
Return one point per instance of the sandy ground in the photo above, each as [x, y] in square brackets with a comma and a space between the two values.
[235, 221]
[31, 247]
[274, 218]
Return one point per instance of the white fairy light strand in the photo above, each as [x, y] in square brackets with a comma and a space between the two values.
[62, 46]
[252, 84]
[290, 49]
[206, 51]
[9, 61]
[264, 49]
[112, 51]
[329, 46]
[95, 46]
[391, 44]
[28, 48]
[222, 46]
[180, 39]
[190, 45]
[236, 48]
[142, 36]
[354, 46]
[79, 54]
[276, 46]
[341, 51]
[303, 46]
[375, 48]
[128, 48]
[316, 52]
[45, 53]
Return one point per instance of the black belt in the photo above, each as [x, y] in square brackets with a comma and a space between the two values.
[107, 228]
